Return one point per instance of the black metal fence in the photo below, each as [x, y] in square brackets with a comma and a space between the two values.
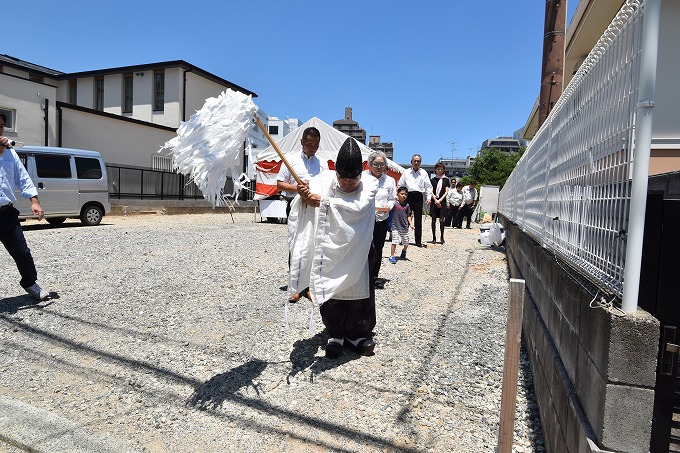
[130, 182]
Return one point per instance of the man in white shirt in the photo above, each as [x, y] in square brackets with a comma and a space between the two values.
[13, 174]
[469, 199]
[417, 181]
[454, 199]
[305, 165]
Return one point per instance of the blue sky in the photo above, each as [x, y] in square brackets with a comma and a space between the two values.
[419, 74]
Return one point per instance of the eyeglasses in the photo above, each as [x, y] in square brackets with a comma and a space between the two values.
[377, 165]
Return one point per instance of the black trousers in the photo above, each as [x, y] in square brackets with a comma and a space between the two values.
[379, 233]
[467, 213]
[415, 201]
[450, 218]
[351, 319]
[12, 237]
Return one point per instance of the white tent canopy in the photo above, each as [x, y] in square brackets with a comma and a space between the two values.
[331, 141]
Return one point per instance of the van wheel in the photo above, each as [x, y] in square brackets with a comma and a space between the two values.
[55, 220]
[91, 215]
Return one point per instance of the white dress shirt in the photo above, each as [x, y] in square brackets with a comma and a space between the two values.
[416, 182]
[303, 166]
[386, 196]
[13, 174]
[454, 198]
[469, 195]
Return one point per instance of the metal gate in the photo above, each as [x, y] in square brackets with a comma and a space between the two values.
[660, 295]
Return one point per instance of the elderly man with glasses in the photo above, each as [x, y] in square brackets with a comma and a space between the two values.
[417, 182]
[13, 174]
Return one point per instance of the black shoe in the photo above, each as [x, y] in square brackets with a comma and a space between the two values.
[379, 283]
[364, 347]
[468, 228]
[333, 350]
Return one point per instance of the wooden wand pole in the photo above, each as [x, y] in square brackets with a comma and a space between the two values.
[278, 151]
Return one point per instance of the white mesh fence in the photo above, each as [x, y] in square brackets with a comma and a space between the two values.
[571, 189]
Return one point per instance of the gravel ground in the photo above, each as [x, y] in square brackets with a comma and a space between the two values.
[168, 332]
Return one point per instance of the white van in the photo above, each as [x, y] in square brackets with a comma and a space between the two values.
[71, 183]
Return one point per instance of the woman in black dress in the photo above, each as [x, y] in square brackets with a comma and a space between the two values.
[440, 188]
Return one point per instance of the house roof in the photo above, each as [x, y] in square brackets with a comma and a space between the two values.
[7, 60]
[591, 18]
[161, 65]
[20, 64]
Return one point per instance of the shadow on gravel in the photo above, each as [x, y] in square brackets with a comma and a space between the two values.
[223, 386]
[11, 305]
[47, 226]
[209, 395]
[527, 382]
[303, 357]
[421, 378]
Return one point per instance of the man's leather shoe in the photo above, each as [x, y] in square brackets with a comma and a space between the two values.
[364, 347]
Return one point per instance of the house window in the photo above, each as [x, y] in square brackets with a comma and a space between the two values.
[10, 123]
[73, 91]
[127, 93]
[158, 91]
[99, 93]
[161, 163]
[273, 130]
[35, 78]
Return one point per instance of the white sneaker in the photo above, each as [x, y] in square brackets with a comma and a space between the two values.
[37, 293]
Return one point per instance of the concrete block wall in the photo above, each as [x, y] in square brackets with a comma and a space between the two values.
[594, 370]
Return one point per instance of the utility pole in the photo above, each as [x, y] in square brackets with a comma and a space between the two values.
[552, 70]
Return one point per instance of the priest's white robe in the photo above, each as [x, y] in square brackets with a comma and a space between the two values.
[329, 245]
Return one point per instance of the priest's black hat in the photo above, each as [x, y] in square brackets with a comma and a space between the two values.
[349, 162]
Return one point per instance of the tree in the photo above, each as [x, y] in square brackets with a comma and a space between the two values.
[493, 167]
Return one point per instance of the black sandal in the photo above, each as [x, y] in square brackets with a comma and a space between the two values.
[333, 350]
[298, 296]
[364, 347]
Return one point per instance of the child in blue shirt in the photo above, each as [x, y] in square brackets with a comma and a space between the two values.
[402, 220]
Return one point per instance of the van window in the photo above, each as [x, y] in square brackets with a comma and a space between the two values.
[53, 166]
[88, 168]
[23, 159]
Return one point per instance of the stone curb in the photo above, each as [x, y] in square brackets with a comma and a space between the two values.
[36, 430]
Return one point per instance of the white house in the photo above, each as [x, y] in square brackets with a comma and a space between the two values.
[126, 113]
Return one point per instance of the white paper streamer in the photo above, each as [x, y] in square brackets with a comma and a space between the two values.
[208, 146]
